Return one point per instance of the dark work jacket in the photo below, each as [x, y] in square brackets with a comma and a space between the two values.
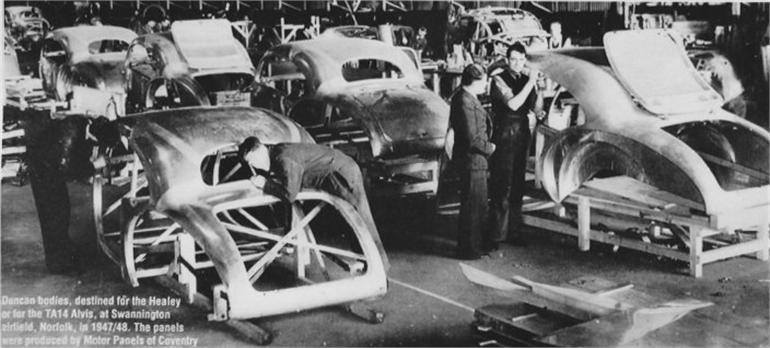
[473, 128]
[512, 84]
[299, 166]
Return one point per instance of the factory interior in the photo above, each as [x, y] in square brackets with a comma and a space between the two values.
[385, 173]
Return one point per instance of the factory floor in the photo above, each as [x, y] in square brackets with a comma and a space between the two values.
[429, 301]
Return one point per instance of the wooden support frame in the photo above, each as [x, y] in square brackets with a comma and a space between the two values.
[700, 228]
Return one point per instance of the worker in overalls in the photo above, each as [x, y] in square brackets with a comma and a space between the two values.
[513, 99]
[472, 129]
[282, 170]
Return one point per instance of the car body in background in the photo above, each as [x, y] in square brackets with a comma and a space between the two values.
[366, 98]
[483, 27]
[82, 66]
[232, 217]
[10, 59]
[395, 35]
[653, 119]
[717, 70]
[196, 62]
[25, 25]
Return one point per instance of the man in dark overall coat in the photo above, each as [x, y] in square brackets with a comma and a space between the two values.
[513, 98]
[472, 129]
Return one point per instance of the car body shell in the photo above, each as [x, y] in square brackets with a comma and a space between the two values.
[485, 26]
[25, 23]
[172, 144]
[69, 58]
[195, 57]
[669, 140]
[399, 115]
[396, 35]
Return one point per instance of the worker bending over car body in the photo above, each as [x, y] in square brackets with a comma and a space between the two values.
[282, 170]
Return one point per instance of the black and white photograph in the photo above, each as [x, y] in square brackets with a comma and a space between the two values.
[383, 173]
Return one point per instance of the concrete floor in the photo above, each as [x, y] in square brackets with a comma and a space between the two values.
[738, 287]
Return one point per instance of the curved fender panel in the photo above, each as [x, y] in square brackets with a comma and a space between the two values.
[171, 144]
[579, 154]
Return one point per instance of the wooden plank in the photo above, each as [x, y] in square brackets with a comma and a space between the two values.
[696, 249]
[584, 224]
[252, 332]
[523, 294]
[641, 192]
[643, 211]
[603, 237]
[763, 236]
[597, 286]
[622, 292]
[733, 250]
[582, 300]
[629, 189]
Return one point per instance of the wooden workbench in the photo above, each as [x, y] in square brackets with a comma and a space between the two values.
[617, 199]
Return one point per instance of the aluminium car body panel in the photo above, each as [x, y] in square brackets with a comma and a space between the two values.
[76, 40]
[96, 70]
[192, 50]
[400, 115]
[401, 120]
[82, 63]
[197, 47]
[502, 24]
[684, 91]
[619, 132]
[172, 144]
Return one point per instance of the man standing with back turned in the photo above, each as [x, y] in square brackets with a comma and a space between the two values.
[472, 128]
[513, 98]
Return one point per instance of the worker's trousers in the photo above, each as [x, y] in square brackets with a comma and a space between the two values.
[473, 237]
[508, 166]
[349, 184]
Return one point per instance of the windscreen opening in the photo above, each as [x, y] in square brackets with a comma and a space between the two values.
[225, 82]
[367, 69]
[107, 46]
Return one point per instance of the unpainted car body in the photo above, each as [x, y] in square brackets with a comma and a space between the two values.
[171, 187]
[720, 74]
[90, 57]
[483, 27]
[356, 91]
[653, 119]
[394, 35]
[25, 24]
[172, 146]
[197, 62]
